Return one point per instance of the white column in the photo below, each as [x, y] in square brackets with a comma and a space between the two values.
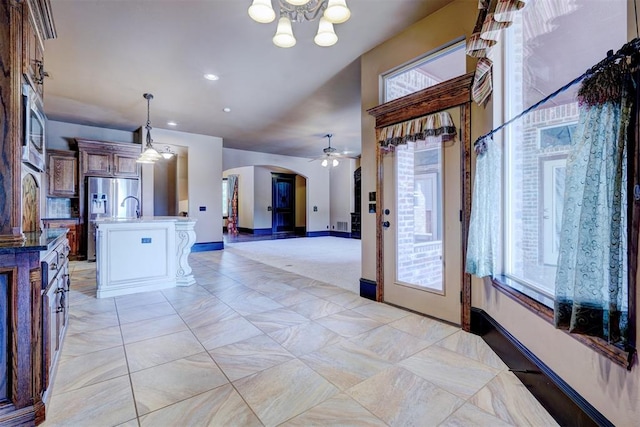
[185, 238]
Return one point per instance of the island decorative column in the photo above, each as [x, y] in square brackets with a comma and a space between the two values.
[185, 238]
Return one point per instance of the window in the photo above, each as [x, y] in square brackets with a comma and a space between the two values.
[225, 198]
[550, 43]
[427, 71]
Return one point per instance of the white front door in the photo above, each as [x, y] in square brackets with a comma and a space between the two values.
[422, 237]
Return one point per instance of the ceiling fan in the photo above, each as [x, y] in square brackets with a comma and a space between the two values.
[331, 154]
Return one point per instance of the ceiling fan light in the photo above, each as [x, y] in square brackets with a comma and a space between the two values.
[326, 35]
[337, 11]
[335, 163]
[298, 2]
[324, 163]
[284, 34]
[262, 11]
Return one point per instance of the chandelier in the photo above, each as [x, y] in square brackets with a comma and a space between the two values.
[330, 12]
[150, 154]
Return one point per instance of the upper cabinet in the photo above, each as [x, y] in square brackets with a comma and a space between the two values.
[108, 159]
[37, 26]
[62, 173]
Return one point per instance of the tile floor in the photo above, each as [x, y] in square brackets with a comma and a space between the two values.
[252, 345]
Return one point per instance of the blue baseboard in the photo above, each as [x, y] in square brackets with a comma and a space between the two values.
[344, 234]
[208, 246]
[368, 289]
[256, 231]
[318, 233]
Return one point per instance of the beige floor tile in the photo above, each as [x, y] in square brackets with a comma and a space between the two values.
[226, 332]
[349, 300]
[315, 308]
[152, 328]
[130, 423]
[163, 349]
[508, 399]
[284, 391]
[81, 321]
[249, 356]
[90, 368]
[294, 297]
[389, 343]
[382, 312]
[473, 347]
[221, 406]
[451, 371]
[144, 312]
[345, 364]
[107, 403]
[270, 321]
[252, 303]
[305, 338]
[185, 293]
[410, 401]
[324, 290]
[163, 385]
[340, 410]
[88, 342]
[469, 415]
[204, 311]
[426, 329]
[141, 298]
[348, 323]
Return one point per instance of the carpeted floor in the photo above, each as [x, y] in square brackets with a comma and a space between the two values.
[328, 259]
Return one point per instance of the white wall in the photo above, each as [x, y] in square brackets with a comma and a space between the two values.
[263, 189]
[245, 195]
[318, 191]
[342, 197]
[204, 175]
[60, 134]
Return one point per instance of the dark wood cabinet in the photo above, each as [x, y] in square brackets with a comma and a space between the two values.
[62, 173]
[357, 199]
[108, 159]
[73, 235]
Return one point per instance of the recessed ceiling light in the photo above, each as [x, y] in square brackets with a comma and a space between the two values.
[171, 123]
[226, 109]
[211, 77]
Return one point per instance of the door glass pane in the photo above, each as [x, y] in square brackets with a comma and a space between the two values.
[419, 215]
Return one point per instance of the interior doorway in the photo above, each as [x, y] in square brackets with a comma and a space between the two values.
[283, 203]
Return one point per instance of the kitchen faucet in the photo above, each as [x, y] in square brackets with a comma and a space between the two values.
[137, 204]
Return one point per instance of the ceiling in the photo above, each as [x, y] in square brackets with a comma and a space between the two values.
[283, 101]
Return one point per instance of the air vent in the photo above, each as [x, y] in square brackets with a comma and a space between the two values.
[342, 226]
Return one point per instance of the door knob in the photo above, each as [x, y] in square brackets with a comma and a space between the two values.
[387, 211]
[386, 224]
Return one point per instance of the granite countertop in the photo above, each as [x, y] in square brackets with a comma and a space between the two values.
[36, 241]
[145, 219]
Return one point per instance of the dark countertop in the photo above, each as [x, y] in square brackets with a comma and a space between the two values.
[36, 241]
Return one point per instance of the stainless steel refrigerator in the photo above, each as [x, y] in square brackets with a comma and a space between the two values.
[109, 198]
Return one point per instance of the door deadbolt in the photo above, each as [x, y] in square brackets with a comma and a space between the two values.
[386, 224]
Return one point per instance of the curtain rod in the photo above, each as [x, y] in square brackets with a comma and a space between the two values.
[628, 48]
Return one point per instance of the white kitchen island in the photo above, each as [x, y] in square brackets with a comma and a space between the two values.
[143, 254]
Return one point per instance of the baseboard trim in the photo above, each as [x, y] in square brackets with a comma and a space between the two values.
[368, 289]
[209, 246]
[256, 231]
[344, 234]
[301, 231]
[562, 402]
[318, 233]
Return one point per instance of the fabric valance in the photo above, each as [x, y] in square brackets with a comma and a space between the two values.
[438, 125]
[493, 17]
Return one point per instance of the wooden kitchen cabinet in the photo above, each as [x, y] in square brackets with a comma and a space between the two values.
[73, 235]
[108, 159]
[62, 173]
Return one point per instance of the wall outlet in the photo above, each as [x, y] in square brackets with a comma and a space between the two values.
[203, 208]
[315, 209]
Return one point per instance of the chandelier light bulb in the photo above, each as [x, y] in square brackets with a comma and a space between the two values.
[335, 163]
[326, 35]
[284, 34]
[324, 163]
[262, 11]
[337, 11]
[298, 2]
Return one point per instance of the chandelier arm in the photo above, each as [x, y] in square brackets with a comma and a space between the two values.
[306, 12]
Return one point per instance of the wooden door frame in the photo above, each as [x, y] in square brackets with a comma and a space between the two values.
[450, 94]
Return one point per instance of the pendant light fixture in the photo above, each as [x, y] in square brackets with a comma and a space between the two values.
[149, 155]
[330, 12]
